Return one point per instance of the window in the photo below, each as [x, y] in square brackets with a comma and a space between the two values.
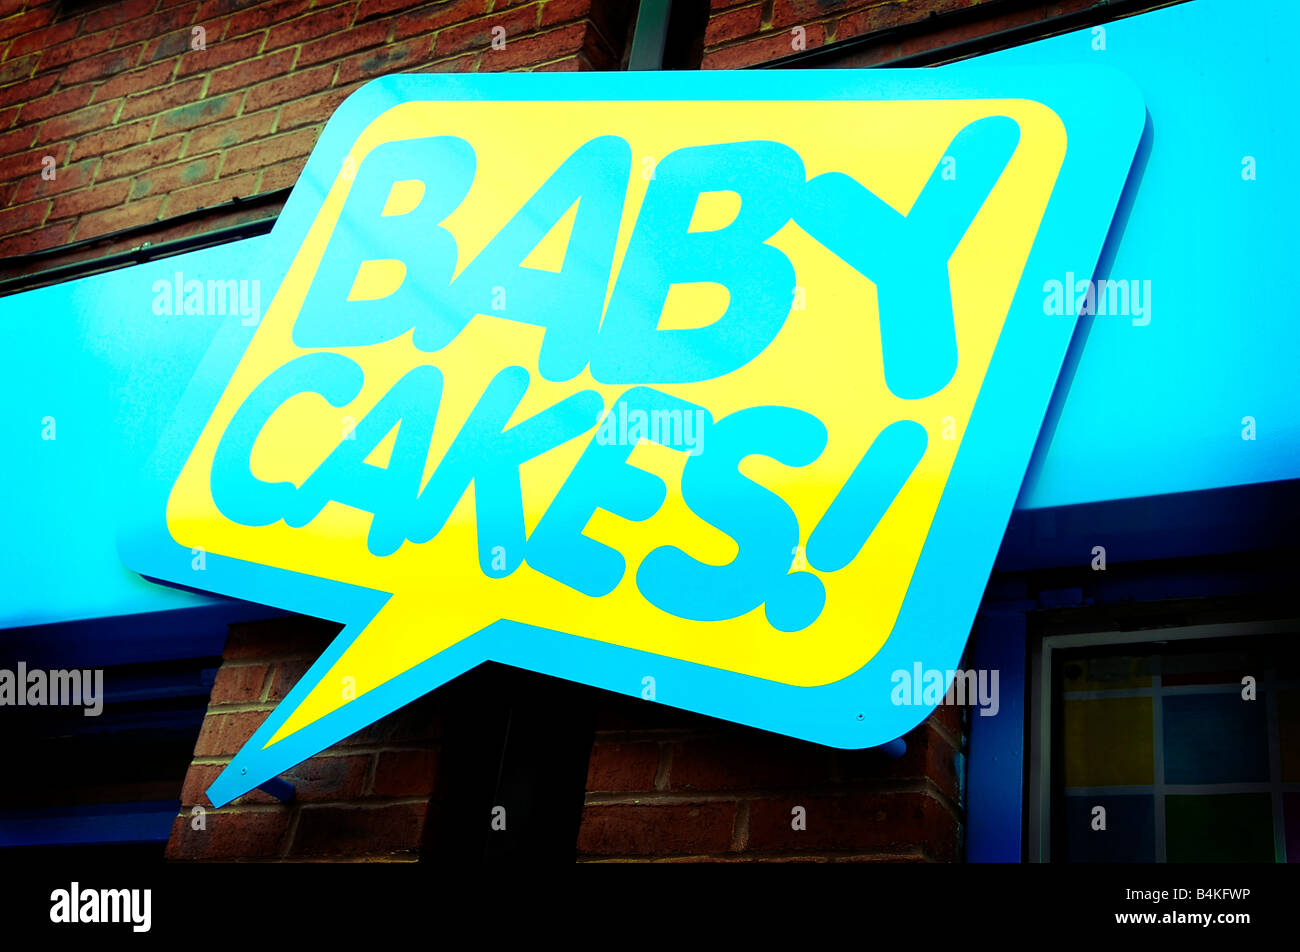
[1167, 745]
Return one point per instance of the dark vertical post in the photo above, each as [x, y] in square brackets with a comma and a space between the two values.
[514, 769]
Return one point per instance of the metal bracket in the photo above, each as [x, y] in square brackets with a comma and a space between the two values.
[282, 790]
[894, 749]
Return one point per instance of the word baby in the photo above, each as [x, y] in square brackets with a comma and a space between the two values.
[389, 270]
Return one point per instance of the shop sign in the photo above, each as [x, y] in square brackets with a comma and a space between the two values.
[712, 390]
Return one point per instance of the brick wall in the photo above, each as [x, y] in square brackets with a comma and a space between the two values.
[142, 127]
[748, 32]
[672, 786]
[367, 797]
[662, 784]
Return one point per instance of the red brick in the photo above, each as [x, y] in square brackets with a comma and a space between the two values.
[762, 50]
[114, 13]
[158, 100]
[26, 22]
[733, 24]
[217, 54]
[572, 64]
[21, 68]
[130, 161]
[433, 17]
[77, 123]
[376, 8]
[292, 86]
[67, 179]
[284, 175]
[112, 139]
[239, 683]
[48, 236]
[564, 11]
[223, 135]
[889, 15]
[333, 20]
[243, 75]
[287, 673]
[748, 760]
[340, 44]
[314, 109]
[24, 92]
[90, 200]
[536, 49]
[168, 31]
[210, 109]
[138, 80]
[262, 15]
[393, 58]
[30, 163]
[17, 140]
[213, 9]
[78, 49]
[348, 831]
[612, 20]
[329, 778]
[115, 219]
[170, 46]
[622, 767]
[240, 834]
[225, 734]
[884, 822]
[42, 39]
[22, 217]
[224, 190]
[405, 773]
[464, 63]
[656, 829]
[64, 101]
[171, 178]
[478, 34]
[269, 151]
[96, 67]
[788, 13]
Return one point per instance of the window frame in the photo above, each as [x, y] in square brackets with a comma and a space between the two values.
[1039, 753]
